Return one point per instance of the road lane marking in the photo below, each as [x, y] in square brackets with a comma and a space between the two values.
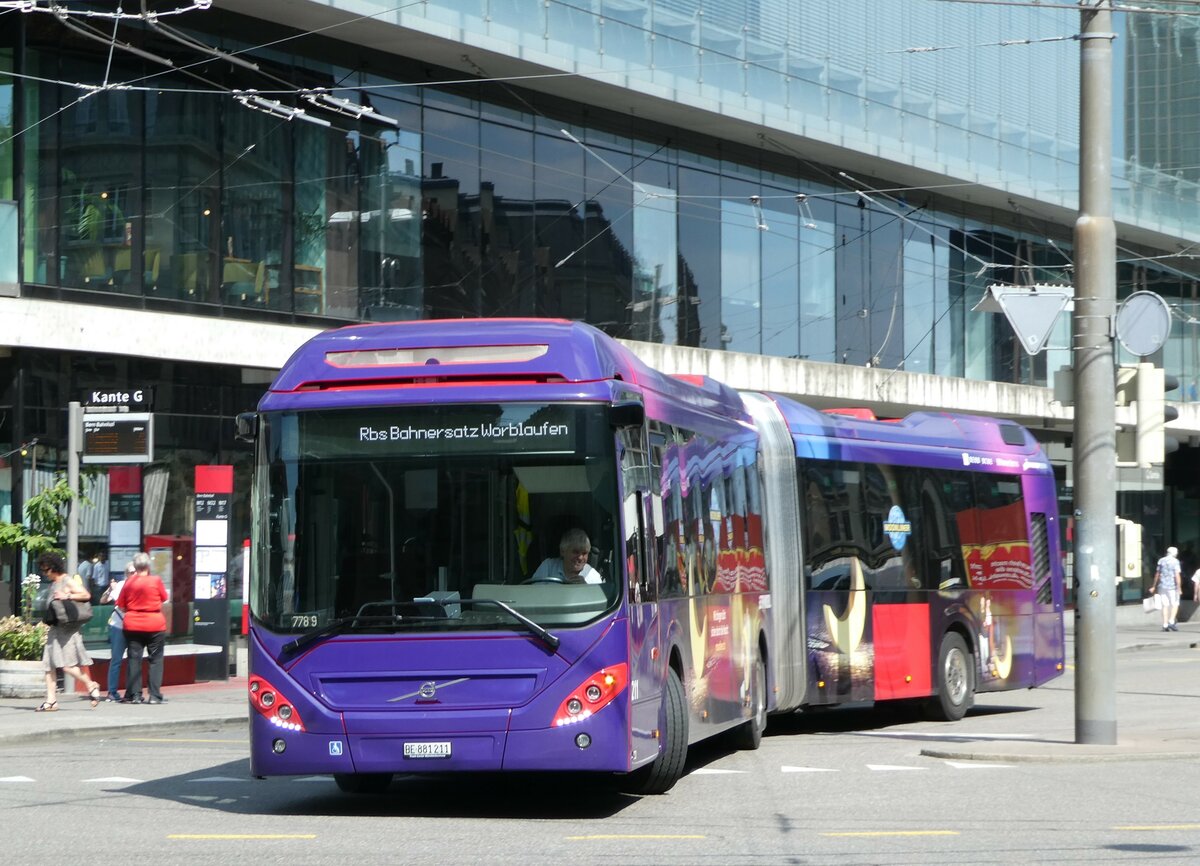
[314, 779]
[623, 836]
[939, 735]
[1159, 827]
[886, 768]
[788, 769]
[712, 771]
[205, 836]
[121, 779]
[220, 779]
[897, 833]
[16, 779]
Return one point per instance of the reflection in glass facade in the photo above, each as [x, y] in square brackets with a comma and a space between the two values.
[458, 200]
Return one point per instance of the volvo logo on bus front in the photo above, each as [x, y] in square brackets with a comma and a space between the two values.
[428, 691]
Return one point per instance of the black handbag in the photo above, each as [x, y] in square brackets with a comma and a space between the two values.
[66, 611]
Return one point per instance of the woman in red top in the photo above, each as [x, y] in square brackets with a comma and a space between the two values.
[145, 627]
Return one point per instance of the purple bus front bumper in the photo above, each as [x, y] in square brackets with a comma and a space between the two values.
[345, 731]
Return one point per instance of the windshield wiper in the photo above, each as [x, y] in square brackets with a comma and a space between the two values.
[546, 636]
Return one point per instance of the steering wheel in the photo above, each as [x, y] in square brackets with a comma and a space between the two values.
[549, 578]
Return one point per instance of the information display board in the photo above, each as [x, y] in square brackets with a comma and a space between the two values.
[118, 437]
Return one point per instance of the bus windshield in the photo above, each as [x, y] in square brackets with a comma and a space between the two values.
[367, 511]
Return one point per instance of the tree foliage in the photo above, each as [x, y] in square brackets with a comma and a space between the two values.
[45, 516]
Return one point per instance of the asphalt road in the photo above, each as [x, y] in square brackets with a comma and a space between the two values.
[846, 787]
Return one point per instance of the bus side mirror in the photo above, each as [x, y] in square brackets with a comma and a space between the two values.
[247, 426]
[628, 414]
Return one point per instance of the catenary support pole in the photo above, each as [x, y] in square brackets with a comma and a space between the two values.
[1095, 390]
[74, 447]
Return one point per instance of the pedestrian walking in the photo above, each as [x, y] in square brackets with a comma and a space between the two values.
[64, 642]
[1168, 582]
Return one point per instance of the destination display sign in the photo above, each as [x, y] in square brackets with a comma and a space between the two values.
[475, 429]
[118, 438]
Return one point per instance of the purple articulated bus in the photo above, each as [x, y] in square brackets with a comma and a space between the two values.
[510, 545]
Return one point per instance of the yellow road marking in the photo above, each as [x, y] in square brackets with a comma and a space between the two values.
[1159, 827]
[599, 836]
[897, 833]
[239, 835]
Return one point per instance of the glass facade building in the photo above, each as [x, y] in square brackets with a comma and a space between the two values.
[832, 181]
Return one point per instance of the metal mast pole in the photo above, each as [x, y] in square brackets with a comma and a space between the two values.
[1095, 390]
[74, 447]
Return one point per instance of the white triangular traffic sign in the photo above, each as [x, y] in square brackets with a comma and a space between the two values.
[1032, 314]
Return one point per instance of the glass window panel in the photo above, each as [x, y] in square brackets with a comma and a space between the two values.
[252, 214]
[625, 37]
[741, 299]
[818, 283]
[676, 64]
[506, 211]
[574, 32]
[700, 258]
[558, 189]
[926, 274]
[608, 237]
[39, 194]
[451, 227]
[100, 184]
[780, 279]
[655, 304]
[884, 289]
[7, 126]
[182, 189]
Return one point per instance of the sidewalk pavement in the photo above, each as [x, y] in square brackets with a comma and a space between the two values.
[199, 704]
[225, 703]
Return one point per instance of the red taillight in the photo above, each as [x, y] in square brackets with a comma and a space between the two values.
[273, 706]
[592, 694]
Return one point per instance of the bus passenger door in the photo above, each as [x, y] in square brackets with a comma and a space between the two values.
[646, 660]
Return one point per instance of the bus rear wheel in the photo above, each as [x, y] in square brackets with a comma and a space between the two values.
[667, 769]
[748, 735]
[363, 783]
[955, 681]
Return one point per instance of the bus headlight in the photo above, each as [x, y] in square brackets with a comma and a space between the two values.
[598, 691]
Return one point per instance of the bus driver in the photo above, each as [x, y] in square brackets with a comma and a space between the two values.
[571, 565]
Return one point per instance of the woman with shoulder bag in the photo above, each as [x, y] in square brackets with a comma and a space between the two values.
[116, 632]
[141, 603]
[64, 642]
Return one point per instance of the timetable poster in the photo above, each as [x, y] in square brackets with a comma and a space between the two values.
[214, 495]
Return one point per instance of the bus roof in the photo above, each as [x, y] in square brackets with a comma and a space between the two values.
[484, 353]
[931, 429]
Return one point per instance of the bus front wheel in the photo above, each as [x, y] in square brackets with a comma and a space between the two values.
[955, 680]
[667, 769]
[363, 783]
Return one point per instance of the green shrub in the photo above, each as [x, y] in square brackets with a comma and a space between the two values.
[21, 641]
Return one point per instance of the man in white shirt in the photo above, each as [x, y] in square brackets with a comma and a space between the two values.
[1168, 581]
[571, 565]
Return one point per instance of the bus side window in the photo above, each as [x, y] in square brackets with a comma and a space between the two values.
[635, 473]
[657, 540]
